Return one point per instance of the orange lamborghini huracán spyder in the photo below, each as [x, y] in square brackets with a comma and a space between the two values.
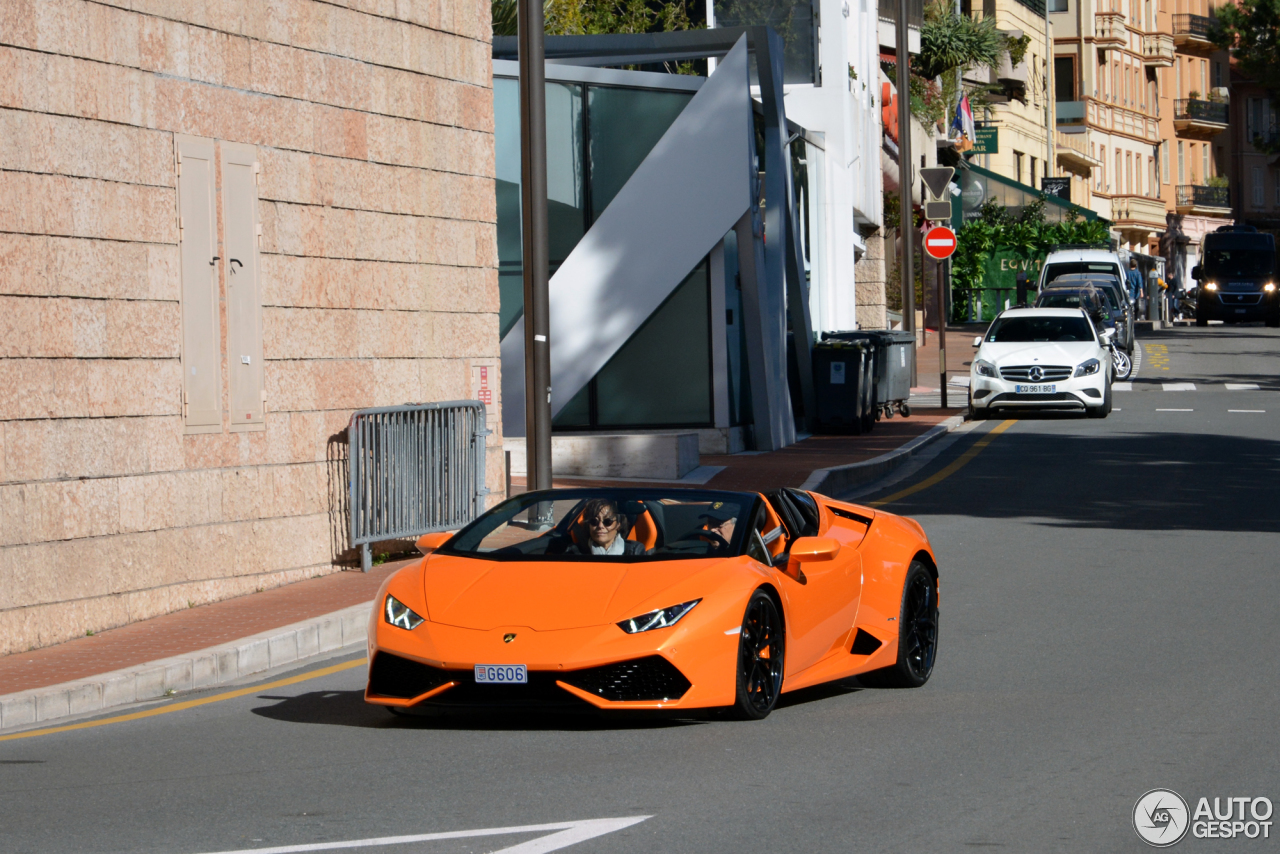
[660, 598]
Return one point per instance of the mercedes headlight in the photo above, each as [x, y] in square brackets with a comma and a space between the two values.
[985, 368]
[401, 615]
[659, 619]
[1089, 367]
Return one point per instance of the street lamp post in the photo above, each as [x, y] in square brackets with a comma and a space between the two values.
[906, 222]
[533, 211]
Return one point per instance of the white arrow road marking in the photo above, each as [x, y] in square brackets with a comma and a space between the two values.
[571, 833]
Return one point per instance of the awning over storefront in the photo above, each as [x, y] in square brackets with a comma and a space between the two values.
[978, 185]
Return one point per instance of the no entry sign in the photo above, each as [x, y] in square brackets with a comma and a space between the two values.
[940, 242]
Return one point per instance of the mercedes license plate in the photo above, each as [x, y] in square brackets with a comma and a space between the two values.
[502, 674]
[1042, 388]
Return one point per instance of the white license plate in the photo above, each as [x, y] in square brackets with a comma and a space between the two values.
[502, 674]
[1036, 389]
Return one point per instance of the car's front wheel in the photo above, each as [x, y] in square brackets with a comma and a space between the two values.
[917, 633]
[761, 657]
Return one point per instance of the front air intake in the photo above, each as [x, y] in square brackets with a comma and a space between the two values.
[644, 679]
[393, 676]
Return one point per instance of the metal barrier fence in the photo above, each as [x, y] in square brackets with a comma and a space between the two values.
[415, 469]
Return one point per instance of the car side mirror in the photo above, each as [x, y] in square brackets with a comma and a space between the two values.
[428, 543]
[1195, 272]
[1107, 335]
[814, 549]
[977, 342]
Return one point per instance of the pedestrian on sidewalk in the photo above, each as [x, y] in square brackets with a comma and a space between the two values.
[1134, 280]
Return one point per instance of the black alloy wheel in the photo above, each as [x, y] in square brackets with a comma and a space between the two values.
[761, 657]
[917, 633]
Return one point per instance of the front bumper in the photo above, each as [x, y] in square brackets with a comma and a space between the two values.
[683, 667]
[1073, 394]
[1238, 305]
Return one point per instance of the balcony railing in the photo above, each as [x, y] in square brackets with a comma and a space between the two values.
[1191, 28]
[1109, 28]
[1138, 210]
[1193, 196]
[1196, 112]
[1069, 112]
[1157, 49]
[1036, 6]
[915, 12]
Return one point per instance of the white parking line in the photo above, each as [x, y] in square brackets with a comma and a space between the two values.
[1246, 410]
[571, 833]
[1179, 386]
[1175, 410]
[1242, 386]
[1122, 386]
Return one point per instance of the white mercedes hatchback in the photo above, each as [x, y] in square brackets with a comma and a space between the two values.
[1041, 358]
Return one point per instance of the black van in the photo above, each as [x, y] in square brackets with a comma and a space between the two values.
[1237, 276]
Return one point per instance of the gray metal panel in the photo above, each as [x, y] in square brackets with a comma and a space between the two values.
[415, 469]
[201, 324]
[244, 298]
[689, 191]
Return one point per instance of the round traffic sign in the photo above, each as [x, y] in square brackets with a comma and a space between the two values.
[940, 242]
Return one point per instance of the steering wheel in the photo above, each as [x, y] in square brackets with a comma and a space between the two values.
[718, 542]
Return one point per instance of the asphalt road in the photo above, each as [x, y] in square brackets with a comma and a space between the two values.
[1109, 601]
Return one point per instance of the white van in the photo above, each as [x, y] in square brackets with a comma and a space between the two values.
[1060, 262]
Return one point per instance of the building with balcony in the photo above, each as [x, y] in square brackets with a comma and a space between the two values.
[1022, 110]
[1195, 134]
[1108, 55]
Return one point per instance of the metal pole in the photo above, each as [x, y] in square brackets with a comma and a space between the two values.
[906, 222]
[942, 329]
[533, 211]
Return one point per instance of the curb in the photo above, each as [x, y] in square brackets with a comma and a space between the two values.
[207, 668]
[840, 479]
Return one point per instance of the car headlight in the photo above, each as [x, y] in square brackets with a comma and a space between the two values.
[1087, 368]
[985, 368]
[659, 619]
[1210, 286]
[1269, 286]
[401, 615]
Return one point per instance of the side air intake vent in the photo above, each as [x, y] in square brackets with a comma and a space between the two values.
[652, 678]
[865, 643]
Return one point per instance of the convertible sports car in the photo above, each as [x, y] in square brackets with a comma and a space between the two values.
[660, 598]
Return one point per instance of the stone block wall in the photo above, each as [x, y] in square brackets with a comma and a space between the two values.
[373, 122]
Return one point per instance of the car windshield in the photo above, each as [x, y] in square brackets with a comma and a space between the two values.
[609, 525]
[1238, 262]
[1030, 328]
[1064, 268]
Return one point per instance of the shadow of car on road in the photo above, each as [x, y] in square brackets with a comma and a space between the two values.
[348, 708]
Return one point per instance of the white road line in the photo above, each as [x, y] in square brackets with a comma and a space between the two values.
[1137, 359]
[1179, 386]
[1122, 386]
[1246, 410]
[1242, 386]
[571, 833]
[1175, 410]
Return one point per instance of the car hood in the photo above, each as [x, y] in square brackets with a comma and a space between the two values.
[1069, 353]
[547, 596]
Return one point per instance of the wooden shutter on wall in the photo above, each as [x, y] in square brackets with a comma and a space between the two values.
[244, 300]
[201, 327]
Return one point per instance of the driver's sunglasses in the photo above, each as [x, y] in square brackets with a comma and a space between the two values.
[602, 521]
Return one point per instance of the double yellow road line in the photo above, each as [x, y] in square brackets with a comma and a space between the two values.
[955, 466]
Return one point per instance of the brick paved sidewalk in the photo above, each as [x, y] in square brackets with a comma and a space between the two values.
[187, 631]
[195, 629]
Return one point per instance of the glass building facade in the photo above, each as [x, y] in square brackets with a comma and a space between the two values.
[597, 135]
